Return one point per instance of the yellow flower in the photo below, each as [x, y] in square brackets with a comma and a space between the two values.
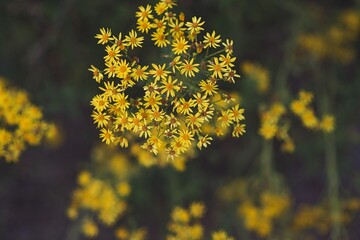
[144, 13]
[99, 102]
[208, 87]
[104, 36]
[152, 100]
[169, 87]
[107, 136]
[133, 40]
[217, 68]
[309, 119]
[327, 123]
[194, 27]
[140, 73]
[97, 75]
[113, 53]
[211, 40]
[159, 38]
[89, 228]
[100, 118]
[197, 209]
[176, 28]
[180, 215]
[189, 68]
[180, 46]
[123, 189]
[143, 25]
[228, 45]
[239, 129]
[159, 72]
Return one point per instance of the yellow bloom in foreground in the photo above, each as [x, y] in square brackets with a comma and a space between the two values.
[133, 40]
[180, 46]
[189, 68]
[217, 68]
[211, 40]
[195, 25]
[107, 136]
[104, 36]
[144, 13]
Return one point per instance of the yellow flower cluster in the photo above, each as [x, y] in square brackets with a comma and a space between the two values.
[21, 122]
[335, 42]
[178, 95]
[98, 196]
[258, 74]
[101, 195]
[318, 217]
[301, 107]
[260, 218]
[273, 124]
[185, 224]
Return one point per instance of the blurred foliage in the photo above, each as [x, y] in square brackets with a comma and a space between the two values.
[47, 47]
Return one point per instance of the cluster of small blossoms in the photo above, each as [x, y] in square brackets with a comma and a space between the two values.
[336, 42]
[301, 107]
[185, 224]
[274, 124]
[258, 74]
[21, 123]
[260, 210]
[101, 199]
[178, 95]
[260, 217]
[318, 217]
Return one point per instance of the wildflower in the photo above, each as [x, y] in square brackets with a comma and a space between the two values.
[189, 68]
[89, 228]
[226, 118]
[113, 53]
[101, 119]
[327, 123]
[159, 38]
[140, 73]
[160, 8]
[176, 29]
[97, 75]
[104, 36]
[107, 136]
[159, 72]
[180, 46]
[133, 40]
[229, 45]
[211, 40]
[169, 87]
[208, 87]
[143, 25]
[194, 27]
[144, 13]
[239, 129]
[217, 68]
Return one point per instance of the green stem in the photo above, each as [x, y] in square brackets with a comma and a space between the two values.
[266, 158]
[333, 184]
[331, 166]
